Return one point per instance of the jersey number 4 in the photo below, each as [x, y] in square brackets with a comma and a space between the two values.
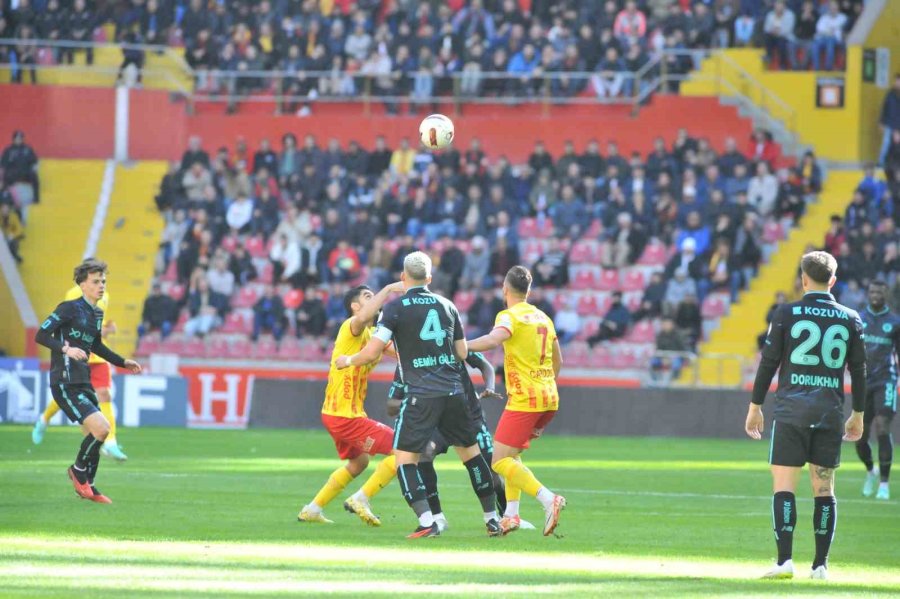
[834, 340]
[431, 330]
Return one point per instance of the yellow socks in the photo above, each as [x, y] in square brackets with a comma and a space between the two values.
[339, 479]
[513, 493]
[518, 476]
[107, 409]
[51, 411]
[382, 477]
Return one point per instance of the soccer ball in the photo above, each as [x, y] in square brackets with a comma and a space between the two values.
[436, 131]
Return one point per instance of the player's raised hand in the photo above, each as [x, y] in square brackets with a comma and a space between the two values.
[133, 366]
[853, 428]
[490, 394]
[754, 424]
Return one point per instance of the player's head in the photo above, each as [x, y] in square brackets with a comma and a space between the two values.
[817, 271]
[357, 297]
[90, 275]
[877, 295]
[516, 285]
[416, 270]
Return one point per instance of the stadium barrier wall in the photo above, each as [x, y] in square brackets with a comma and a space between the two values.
[702, 413]
[18, 322]
[149, 400]
[57, 126]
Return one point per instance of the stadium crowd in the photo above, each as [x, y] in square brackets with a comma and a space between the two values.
[669, 228]
[19, 188]
[417, 48]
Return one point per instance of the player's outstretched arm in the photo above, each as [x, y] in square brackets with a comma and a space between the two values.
[492, 340]
[46, 334]
[367, 313]
[370, 353]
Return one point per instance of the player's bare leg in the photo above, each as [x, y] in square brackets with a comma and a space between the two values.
[482, 480]
[339, 479]
[508, 464]
[110, 447]
[83, 471]
[824, 517]
[358, 503]
[784, 517]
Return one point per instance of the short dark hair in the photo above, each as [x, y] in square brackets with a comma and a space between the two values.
[819, 266]
[519, 280]
[352, 295]
[878, 283]
[88, 267]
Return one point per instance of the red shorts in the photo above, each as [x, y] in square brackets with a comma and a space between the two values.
[356, 436]
[101, 375]
[517, 429]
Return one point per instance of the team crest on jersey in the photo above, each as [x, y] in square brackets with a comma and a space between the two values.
[887, 327]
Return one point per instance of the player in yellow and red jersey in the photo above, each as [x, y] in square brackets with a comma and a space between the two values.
[101, 381]
[532, 363]
[356, 436]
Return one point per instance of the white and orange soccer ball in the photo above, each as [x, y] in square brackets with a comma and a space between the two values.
[436, 132]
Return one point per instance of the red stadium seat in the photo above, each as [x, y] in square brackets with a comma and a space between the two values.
[193, 347]
[532, 250]
[714, 306]
[239, 348]
[600, 357]
[255, 247]
[576, 354]
[589, 326]
[528, 228]
[290, 349]
[546, 230]
[641, 332]
[266, 273]
[655, 254]
[265, 348]
[562, 298]
[177, 292]
[464, 300]
[588, 305]
[633, 280]
[236, 322]
[171, 273]
[293, 298]
[246, 297]
[149, 344]
[622, 357]
[584, 252]
[772, 232]
[586, 278]
[609, 280]
[229, 243]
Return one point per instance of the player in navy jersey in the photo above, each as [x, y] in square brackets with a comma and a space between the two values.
[72, 333]
[430, 343]
[882, 329]
[810, 343]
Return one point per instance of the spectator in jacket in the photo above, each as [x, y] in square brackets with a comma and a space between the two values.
[159, 314]
[779, 29]
[668, 339]
[567, 322]
[207, 308]
[477, 264]
[311, 318]
[829, 35]
[552, 268]
[268, 315]
[220, 279]
[652, 301]
[20, 164]
[615, 324]
[890, 118]
[763, 190]
[689, 321]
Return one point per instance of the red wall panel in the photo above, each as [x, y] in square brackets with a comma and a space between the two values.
[63, 122]
[60, 122]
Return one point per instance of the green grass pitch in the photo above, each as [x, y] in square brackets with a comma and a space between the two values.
[213, 513]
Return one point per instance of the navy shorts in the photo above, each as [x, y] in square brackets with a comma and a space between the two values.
[78, 400]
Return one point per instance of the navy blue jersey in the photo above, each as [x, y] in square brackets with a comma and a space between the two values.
[78, 324]
[882, 331]
[812, 342]
[424, 327]
[475, 360]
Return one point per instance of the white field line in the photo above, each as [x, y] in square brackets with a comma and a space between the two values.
[306, 556]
